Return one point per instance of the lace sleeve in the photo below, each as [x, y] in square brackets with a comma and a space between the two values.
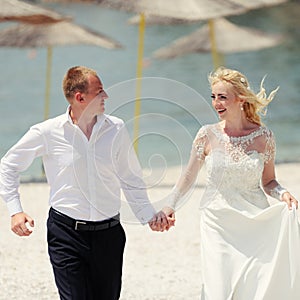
[188, 177]
[270, 149]
[200, 142]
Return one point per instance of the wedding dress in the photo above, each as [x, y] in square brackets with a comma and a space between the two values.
[249, 249]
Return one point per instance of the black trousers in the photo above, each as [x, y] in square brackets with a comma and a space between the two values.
[87, 265]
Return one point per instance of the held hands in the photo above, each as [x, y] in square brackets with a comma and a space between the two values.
[163, 220]
[18, 224]
[289, 199]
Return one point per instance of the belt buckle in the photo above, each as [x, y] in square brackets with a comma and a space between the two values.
[78, 223]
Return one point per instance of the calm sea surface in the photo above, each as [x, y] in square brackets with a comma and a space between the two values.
[175, 93]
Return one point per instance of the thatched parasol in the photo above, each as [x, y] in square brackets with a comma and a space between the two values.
[49, 35]
[53, 34]
[20, 11]
[230, 38]
[189, 9]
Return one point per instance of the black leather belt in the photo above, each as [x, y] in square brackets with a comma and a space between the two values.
[80, 225]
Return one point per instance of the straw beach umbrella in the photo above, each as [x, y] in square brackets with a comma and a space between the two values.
[20, 11]
[49, 35]
[195, 10]
[188, 11]
[230, 38]
[53, 34]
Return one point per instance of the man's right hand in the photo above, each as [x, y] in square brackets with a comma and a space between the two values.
[18, 224]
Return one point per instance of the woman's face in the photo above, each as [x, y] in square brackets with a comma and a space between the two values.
[224, 101]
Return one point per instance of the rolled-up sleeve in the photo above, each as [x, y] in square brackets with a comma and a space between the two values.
[17, 160]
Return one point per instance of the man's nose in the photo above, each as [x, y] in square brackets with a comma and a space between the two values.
[104, 95]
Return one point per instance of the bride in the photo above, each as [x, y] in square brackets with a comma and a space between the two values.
[249, 249]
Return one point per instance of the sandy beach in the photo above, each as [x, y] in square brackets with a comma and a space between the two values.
[157, 266]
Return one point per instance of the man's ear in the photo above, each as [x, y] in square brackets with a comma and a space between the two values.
[79, 97]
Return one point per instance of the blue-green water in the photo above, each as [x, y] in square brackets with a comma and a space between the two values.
[176, 97]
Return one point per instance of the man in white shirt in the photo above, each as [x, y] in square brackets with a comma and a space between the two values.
[88, 159]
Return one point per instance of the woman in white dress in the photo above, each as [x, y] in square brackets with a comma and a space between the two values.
[249, 249]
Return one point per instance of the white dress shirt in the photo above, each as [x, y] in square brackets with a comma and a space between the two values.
[85, 176]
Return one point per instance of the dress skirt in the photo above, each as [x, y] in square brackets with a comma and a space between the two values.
[246, 257]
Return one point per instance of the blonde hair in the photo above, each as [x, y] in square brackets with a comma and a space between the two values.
[77, 80]
[254, 105]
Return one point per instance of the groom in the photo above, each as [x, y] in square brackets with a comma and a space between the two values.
[88, 159]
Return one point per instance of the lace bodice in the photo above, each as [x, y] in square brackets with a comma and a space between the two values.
[234, 166]
[260, 140]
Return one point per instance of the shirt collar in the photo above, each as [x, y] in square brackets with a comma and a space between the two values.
[100, 118]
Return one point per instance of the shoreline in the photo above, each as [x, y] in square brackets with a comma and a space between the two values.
[27, 179]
